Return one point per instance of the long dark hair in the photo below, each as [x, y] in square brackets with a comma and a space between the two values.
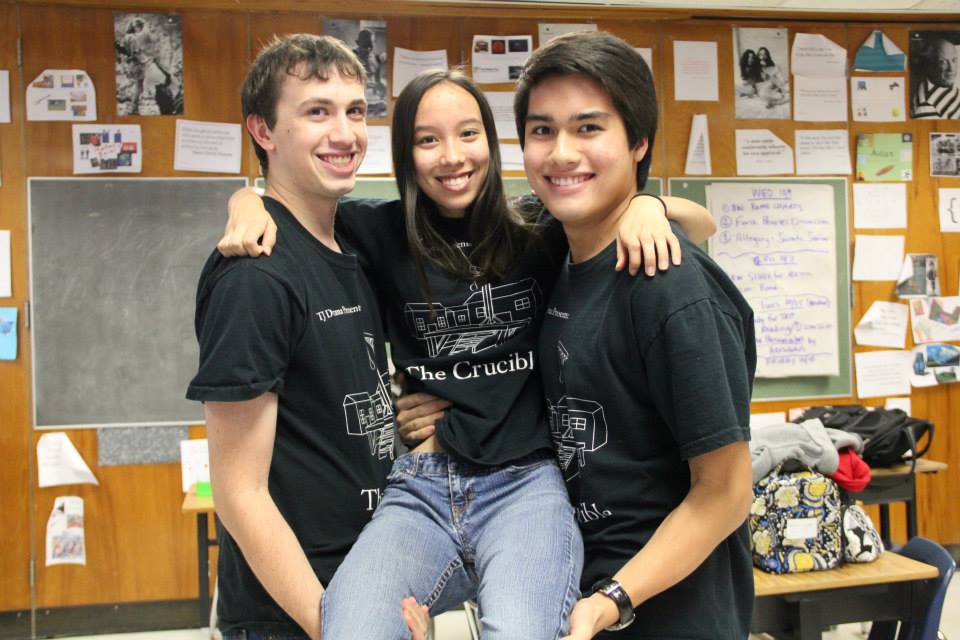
[497, 233]
[750, 67]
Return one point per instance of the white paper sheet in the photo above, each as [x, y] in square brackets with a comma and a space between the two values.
[820, 99]
[877, 99]
[501, 103]
[548, 31]
[815, 54]
[919, 276]
[194, 462]
[500, 58]
[4, 95]
[213, 147]
[760, 420]
[511, 157]
[879, 205]
[882, 373]
[778, 244]
[59, 462]
[935, 319]
[647, 54]
[6, 282]
[407, 63]
[949, 200]
[877, 258]
[65, 539]
[698, 148]
[883, 325]
[378, 159]
[933, 364]
[103, 148]
[822, 152]
[62, 94]
[761, 153]
[695, 75]
[898, 403]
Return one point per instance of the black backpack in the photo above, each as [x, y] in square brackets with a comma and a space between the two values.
[888, 434]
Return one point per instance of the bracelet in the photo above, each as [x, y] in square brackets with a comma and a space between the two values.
[650, 195]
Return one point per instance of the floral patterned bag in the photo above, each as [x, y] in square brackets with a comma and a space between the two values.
[795, 522]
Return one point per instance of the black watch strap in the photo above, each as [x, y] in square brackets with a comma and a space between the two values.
[612, 589]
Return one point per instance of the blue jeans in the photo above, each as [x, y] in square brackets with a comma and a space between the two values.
[448, 531]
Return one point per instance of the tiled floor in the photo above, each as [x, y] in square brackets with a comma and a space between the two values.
[452, 626]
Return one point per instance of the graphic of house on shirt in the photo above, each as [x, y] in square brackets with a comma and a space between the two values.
[486, 319]
[577, 426]
[370, 413]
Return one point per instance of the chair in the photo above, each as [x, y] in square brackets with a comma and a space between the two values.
[473, 619]
[929, 594]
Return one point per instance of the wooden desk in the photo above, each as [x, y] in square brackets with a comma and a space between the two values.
[896, 484]
[802, 605]
[202, 506]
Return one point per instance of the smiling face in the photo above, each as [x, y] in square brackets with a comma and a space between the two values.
[576, 152]
[319, 138]
[450, 151]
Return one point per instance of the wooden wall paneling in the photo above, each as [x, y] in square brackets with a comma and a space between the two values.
[16, 471]
[939, 404]
[139, 546]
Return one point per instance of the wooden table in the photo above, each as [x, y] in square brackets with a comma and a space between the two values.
[802, 605]
[202, 506]
[896, 484]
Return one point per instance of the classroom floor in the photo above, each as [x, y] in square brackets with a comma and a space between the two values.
[452, 626]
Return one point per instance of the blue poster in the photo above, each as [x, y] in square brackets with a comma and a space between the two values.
[8, 333]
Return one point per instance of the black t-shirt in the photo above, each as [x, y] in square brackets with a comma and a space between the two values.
[477, 345]
[304, 324]
[640, 375]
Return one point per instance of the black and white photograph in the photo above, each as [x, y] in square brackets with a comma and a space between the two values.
[761, 73]
[934, 92]
[945, 155]
[368, 39]
[148, 49]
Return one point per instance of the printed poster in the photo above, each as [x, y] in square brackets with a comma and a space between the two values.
[62, 94]
[935, 319]
[500, 58]
[935, 364]
[65, 540]
[148, 63]
[114, 148]
[945, 155]
[761, 73]
[884, 157]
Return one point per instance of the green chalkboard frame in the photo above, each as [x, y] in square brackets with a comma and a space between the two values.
[840, 385]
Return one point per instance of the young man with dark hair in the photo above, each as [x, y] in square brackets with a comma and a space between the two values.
[647, 380]
[292, 369]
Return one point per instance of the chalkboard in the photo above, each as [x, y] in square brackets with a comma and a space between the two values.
[826, 386]
[114, 265]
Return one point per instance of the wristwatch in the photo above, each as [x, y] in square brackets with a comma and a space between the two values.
[612, 589]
